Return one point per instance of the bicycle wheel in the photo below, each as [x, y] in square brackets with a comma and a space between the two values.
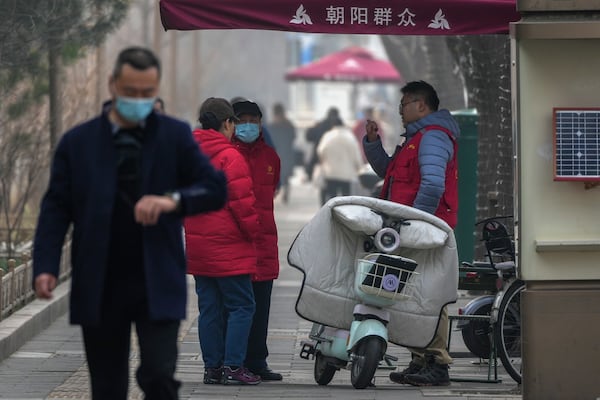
[507, 332]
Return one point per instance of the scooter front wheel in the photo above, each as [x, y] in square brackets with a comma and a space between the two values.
[324, 371]
[365, 360]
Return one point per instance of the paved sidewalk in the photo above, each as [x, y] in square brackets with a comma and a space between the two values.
[52, 364]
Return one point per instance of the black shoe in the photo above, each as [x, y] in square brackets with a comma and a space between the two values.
[266, 374]
[432, 374]
[213, 376]
[399, 377]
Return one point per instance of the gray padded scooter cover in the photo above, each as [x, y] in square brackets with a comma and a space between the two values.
[327, 248]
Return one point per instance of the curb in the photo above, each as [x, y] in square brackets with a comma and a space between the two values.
[30, 320]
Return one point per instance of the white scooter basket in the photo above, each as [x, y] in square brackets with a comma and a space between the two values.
[382, 279]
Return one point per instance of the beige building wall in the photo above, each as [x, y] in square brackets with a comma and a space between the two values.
[559, 222]
[555, 64]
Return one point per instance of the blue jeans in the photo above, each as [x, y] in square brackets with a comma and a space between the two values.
[226, 307]
[256, 357]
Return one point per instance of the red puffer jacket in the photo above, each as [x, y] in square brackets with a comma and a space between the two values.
[221, 243]
[265, 167]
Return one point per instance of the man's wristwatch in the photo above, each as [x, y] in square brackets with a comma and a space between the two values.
[176, 197]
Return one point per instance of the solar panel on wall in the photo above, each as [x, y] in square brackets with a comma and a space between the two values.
[576, 144]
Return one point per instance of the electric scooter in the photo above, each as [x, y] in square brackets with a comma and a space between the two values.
[379, 282]
[383, 242]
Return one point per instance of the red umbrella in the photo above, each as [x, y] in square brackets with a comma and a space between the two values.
[384, 17]
[353, 64]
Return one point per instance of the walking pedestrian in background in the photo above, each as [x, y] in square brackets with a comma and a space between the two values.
[125, 180]
[159, 106]
[422, 173]
[221, 254]
[314, 135]
[283, 134]
[265, 169]
[339, 161]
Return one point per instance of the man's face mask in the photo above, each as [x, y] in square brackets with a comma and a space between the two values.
[134, 109]
[247, 132]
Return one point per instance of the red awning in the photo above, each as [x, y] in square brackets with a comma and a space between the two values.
[353, 64]
[384, 17]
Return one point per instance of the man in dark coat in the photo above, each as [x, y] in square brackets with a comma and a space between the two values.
[125, 180]
[316, 132]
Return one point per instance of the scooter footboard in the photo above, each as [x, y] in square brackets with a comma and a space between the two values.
[330, 341]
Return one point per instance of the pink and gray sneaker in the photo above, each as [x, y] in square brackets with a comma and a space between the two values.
[239, 376]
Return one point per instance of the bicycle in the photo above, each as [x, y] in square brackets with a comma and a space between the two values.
[498, 276]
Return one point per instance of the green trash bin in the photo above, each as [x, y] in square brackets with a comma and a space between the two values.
[467, 183]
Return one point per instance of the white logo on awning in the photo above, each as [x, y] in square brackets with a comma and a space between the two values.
[301, 17]
[439, 21]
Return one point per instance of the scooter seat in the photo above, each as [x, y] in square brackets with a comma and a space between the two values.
[505, 265]
[476, 264]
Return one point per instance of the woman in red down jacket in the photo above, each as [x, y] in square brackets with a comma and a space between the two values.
[221, 254]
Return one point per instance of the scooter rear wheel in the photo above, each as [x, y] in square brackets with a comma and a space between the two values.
[324, 371]
[476, 334]
[365, 360]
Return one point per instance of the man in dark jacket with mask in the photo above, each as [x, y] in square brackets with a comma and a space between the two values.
[125, 180]
[422, 174]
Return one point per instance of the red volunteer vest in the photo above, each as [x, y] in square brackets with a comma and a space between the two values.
[403, 177]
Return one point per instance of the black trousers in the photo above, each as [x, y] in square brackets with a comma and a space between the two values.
[107, 348]
[334, 188]
[257, 352]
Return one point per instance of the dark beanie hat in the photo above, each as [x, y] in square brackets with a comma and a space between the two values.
[246, 107]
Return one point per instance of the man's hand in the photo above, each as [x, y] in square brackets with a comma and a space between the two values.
[371, 129]
[150, 207]
[44, 285]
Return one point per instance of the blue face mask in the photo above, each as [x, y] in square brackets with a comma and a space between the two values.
[247, 133]
[133, 109]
